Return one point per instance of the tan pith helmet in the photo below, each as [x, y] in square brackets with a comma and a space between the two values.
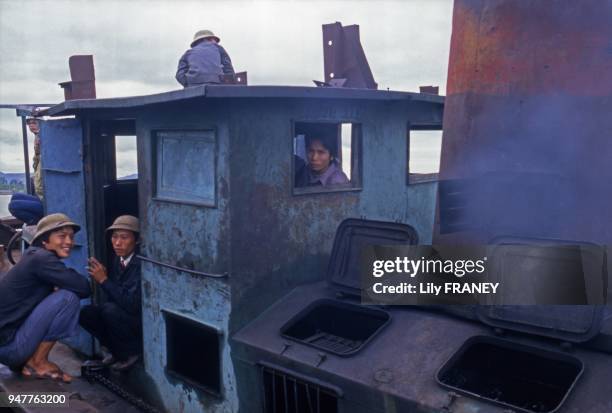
[126, 222]
[54, 222]
[203, 34]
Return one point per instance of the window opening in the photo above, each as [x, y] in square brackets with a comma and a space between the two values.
[126, 157]
[424, 149]
[326, 157]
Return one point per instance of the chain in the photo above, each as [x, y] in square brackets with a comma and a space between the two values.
[119, 391]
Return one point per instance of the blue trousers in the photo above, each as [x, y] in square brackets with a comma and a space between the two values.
[54, 318]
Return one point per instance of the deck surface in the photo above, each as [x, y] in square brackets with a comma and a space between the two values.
[85, 397]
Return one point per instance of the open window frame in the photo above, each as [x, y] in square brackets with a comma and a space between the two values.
[356, 162]
[413, 178]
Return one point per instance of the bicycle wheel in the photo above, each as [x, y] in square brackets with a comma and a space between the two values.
[10, 247]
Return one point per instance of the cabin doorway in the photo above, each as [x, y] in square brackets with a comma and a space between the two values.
[112, 181]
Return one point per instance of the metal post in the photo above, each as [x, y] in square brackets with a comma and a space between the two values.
[26, 156]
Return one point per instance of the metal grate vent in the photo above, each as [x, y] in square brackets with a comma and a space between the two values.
[287, 393]
[333, 343]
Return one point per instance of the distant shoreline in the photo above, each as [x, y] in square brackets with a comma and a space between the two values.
[5, 192]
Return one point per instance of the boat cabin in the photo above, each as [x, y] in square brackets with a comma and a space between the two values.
[227, 229]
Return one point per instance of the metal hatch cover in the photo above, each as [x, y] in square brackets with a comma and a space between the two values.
[573, 323]
[352, 235]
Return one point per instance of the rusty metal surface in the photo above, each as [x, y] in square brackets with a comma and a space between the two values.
[293, 233]
[525, 149]
[240, 78]
[527, 116]
[344, 58]
[280, 240]
[83, 83]
[402, 361]
[434, 90]
[268, 239]
[189, 236]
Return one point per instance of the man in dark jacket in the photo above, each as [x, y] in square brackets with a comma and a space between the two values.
[39, 300]
[117, 323]
[205, 63]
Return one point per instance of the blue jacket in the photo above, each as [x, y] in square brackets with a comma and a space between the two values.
[123, 286]
[203, 63]
[31, 281]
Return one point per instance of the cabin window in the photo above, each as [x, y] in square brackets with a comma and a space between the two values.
[193, 352]
[186, 167]
[126, 159]
[326, 157]
[424, 149]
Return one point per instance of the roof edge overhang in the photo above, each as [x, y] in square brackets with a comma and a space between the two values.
[73, 107]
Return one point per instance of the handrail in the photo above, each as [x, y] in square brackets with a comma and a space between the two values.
[187, 270]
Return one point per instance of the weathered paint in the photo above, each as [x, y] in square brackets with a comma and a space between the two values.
[133, 104]
[527, 125]
[406, 354]
[268, 239]
[191, 236]
[64, 185]
[527, 117]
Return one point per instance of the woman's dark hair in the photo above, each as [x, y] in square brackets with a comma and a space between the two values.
[330, 144]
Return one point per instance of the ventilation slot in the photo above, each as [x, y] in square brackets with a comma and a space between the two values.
[193, 352]
[285, 392]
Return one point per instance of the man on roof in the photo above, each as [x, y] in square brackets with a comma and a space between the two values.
[117, 323]
[205, 63]
[39, 300]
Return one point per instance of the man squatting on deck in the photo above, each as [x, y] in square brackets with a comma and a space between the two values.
[39, 300]
[117, 323]
[205, 63]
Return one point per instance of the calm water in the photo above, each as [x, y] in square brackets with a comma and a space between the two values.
[4, 201]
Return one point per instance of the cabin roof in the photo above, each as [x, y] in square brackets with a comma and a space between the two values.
[72, 107]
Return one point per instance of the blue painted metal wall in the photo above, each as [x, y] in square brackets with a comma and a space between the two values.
[293, 229]
[189, 234]
[64, 186]
[280, 240]
[266, 238]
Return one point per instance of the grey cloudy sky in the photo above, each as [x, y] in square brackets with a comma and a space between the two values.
[136, 45]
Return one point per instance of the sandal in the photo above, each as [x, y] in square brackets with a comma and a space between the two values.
[55, 375]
